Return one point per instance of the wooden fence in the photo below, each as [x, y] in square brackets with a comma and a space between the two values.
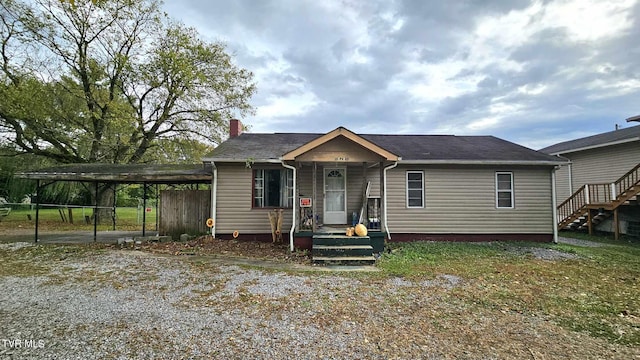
[184, 212]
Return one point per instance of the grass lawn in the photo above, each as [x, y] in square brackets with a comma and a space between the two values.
[598, 292]
[51, 220]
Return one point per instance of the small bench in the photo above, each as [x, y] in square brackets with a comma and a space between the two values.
[4, 212]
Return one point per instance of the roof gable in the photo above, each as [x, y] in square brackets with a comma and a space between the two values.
[340, 132]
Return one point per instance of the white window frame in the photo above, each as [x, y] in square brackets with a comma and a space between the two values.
[511, 191]
[421, 188]
[286, 189]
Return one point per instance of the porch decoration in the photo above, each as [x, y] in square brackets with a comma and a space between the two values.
[361, 230]
[350, 231]
[275, 219]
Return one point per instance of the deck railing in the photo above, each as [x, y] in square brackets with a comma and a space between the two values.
[599, 193]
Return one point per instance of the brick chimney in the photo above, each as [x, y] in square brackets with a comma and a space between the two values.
[235, 128]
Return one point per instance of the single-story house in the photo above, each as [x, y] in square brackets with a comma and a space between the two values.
[403, 187]
[602, 173]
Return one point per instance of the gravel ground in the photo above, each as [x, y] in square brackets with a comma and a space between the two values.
[132, 304]
[579, 242]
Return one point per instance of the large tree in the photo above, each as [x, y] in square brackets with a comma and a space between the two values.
[111, 81]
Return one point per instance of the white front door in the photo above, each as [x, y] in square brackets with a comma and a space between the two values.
[335, 196]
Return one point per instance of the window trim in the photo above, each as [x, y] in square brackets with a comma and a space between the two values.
[421, 172]
[283, 188]
[512, 191]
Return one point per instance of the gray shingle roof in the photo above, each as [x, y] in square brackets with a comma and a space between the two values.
[626, 134]
[408, 147]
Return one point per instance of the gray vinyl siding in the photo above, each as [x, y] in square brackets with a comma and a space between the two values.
[563, 189]
[603, 165]
[234, 202]
[462, 200]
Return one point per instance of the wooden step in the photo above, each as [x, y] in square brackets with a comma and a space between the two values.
[342, 250]
[340, 240]
[345, 260]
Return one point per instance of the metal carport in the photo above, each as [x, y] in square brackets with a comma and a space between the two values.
[112, 174]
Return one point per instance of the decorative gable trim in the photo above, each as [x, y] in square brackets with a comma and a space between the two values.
[341, 131]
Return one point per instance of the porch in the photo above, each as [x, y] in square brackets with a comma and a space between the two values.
[338, 182]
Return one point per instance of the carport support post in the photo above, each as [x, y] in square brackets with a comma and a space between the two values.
[95, 216]
[37, 208]
[144, 210]
[113, 210]
[157, 201]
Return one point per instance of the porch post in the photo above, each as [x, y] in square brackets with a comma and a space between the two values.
[383, 226]
[313, 203]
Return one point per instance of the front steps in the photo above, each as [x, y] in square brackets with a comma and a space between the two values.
[330, 249]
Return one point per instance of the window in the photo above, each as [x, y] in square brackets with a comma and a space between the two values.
[504, 190]
[272, 188]
[415, 189]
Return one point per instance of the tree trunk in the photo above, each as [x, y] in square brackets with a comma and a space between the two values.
[105, 204]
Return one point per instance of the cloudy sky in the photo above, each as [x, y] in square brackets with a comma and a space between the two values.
[532, 72]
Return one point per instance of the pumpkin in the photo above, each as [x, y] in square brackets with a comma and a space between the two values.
[361, 230]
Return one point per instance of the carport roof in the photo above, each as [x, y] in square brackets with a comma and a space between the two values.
[124, 173]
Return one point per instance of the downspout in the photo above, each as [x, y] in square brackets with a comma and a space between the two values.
[214, 198]
[386, 226]
[570, 178]
[295, 198]
[553, 204]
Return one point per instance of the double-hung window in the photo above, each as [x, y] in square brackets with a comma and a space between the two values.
[504, 190]
[272, 188]
[415, 189]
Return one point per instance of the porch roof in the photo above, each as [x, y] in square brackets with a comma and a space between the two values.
[409, 148]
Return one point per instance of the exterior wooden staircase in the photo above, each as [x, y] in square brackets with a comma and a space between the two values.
[576, 211]
[335, 249]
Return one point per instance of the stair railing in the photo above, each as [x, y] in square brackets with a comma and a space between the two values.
[598, 194]
[628, 180]
[575, 202]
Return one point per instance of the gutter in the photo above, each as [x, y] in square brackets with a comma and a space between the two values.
[295, 198]
[483, 162]
[554, 208]
[386, 226]
[214, 198]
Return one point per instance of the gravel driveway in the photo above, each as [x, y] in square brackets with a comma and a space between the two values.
[130, 304]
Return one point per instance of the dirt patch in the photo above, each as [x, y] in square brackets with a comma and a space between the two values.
[206, 245]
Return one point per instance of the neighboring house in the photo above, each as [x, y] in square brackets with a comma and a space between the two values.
[404, 187]
[602, 173]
